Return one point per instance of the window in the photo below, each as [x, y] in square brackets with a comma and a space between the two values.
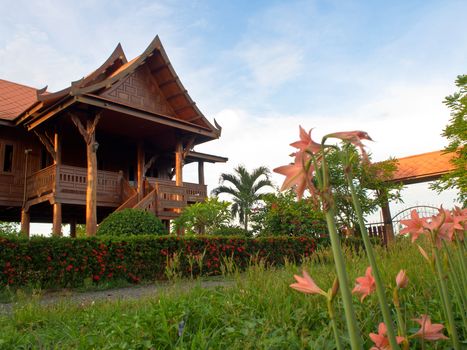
[8, 158]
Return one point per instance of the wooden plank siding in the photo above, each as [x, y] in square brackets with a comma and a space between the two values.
[12, 182]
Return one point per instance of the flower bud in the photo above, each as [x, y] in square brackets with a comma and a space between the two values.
[335, 288]
[402, 280]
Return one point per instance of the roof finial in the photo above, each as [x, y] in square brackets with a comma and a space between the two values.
[218, 126]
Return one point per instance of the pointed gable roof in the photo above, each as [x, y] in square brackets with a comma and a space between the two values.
[148, 83]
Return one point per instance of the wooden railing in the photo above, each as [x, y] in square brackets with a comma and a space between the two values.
[170, 199]
[162, 197]
[377, 229]
[71, 185]
[148, 203]
[41, 182]
[194, 192]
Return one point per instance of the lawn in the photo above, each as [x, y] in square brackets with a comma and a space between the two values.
[258, 311]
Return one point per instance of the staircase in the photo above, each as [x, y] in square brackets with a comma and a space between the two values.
[162, 197]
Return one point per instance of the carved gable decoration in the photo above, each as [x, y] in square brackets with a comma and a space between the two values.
[139, 90]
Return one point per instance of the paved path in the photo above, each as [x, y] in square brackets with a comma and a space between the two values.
[127, 293]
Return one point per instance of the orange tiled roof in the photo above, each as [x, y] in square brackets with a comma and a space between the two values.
[423, 167]
[14, 99]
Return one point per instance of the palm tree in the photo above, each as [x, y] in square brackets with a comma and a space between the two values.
[244, 190]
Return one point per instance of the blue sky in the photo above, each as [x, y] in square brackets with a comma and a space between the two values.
[261, 68]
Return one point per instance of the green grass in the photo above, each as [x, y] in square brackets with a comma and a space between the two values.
[259, 311]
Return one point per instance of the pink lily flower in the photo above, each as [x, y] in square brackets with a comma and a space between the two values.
[452, 224]
[429, 331]
[444, 225]
[460, 218]
[306, 142]
[415, 226]
[381, 340]
[296, 175]
[306, 285]
[365, 285]
[401, 279]
[353, 137]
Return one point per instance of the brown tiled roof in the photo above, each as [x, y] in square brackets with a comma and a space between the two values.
[14, 99]
[423, 167]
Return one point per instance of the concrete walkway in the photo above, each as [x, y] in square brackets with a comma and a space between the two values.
[126, 293]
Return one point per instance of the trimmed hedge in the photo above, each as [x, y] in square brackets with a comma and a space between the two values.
[62, 262]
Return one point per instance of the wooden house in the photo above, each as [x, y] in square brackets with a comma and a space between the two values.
[118, 138]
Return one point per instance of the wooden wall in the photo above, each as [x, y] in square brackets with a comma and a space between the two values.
[12, 182]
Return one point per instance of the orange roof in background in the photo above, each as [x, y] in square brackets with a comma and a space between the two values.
[423, 167]
[15, 98]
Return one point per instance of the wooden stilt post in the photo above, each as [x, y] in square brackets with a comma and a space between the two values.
[89, 135]
[57, 219]
[25, 222]
[179, 172]
[140, 170]
[57, 206]
[91, 189]
[73, 228]
[201, 172]
[179, 164]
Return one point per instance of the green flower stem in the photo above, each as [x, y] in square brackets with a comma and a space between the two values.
[334, 324]
[459, 290]
[458, 297]
[461, 256]
[400, 319]
[351, 320]
[354, 333]
[371, 257]
[445, 295]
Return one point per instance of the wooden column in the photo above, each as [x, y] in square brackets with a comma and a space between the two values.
[73, 228]
[387, 220]
[57, 206]
[140, 170]
[25, 222]
[57, 219]
[201, 172]
[89, 135]
[91, 189]
[179, 164]
[179, 174]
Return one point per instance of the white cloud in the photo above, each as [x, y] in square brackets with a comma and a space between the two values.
[272, 64]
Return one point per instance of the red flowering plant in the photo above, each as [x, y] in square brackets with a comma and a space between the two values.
[65, 262]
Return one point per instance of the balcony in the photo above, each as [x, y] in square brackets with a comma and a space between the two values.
[112, 190]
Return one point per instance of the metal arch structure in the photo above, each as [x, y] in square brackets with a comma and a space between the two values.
[422, 210]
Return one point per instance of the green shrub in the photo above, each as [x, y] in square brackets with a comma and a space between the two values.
[129, 222]
[61, 262]
[231, 231]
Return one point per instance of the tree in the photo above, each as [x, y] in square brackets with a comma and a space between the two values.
[9, 229]
[284, 214]
[372, 185]
[456, 133]
[244, 191]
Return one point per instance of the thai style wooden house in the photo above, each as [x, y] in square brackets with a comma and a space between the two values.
[112, 140]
